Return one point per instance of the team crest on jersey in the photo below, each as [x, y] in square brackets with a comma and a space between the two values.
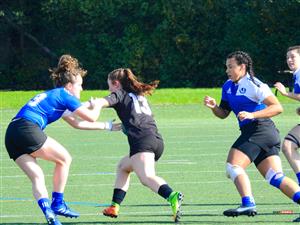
[242, 90]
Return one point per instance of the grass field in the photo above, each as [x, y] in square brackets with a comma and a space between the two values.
[196, 147]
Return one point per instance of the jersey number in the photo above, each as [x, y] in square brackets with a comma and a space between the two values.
[140, 104]
[37, 99]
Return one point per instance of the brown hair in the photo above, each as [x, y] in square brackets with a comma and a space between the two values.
[67, 71]
[296, 47]
[130, 82]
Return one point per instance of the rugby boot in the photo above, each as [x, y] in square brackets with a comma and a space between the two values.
[242, 210]
[297, 220]
[175, 200]
[63, 210]
[51, 218]
[112, 211]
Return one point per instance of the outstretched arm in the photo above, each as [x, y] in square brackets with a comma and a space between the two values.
[86, 125]
[281, 88]
[90, 111]
[87, 108]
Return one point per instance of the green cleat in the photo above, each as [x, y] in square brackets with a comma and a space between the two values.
[175, 200]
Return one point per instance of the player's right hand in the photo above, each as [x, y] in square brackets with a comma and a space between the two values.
[209, 102]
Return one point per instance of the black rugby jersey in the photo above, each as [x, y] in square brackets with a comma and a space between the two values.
[134, 112]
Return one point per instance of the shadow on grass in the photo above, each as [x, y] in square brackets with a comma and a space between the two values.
[207, 204]
[255, 220]
[100, 222]
[192, 216]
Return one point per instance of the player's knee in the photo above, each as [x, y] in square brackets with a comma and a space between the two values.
[124, 167]
[232, 171]
[65, 161]
[68, 159]
[145, 180]
[274, 178]
[120, 166]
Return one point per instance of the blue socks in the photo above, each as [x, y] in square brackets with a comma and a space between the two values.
[296, 197]
[44, 204]
[248, 201]
[57, 198]
[298, 177]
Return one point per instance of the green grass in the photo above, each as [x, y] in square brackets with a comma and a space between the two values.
[181, 96]
[196, 147]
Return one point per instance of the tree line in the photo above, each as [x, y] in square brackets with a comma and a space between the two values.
[182, 43]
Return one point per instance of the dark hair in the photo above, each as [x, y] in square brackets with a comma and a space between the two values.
[243, 58]
[67, 71]
[130, 82]
[296, 47]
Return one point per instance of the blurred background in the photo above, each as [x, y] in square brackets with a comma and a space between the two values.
[183, 43]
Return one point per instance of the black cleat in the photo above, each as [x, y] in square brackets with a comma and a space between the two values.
[297, 220]
[242, 210]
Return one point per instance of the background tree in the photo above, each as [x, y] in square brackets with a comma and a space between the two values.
[183, 43]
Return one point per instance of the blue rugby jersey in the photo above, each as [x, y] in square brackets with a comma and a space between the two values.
[245, 96]
[48, 106]
[297, 81]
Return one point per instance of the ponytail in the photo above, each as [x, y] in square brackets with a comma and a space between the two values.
[130, 82]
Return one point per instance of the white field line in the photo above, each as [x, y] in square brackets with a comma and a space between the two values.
[177, 162]
[178, 183]
[193, 155]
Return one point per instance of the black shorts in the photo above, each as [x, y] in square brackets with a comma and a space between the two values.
[23, 137]
[149, 143]
[294, 135]
[259, 140]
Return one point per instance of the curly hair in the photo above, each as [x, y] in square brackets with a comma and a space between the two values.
[66, 71]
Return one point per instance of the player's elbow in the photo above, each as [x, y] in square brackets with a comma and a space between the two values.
[279, 109]
[223, 116]
[276, 110]
[74, 124]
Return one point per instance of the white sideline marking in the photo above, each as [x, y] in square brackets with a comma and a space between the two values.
[166, 172]
[111, 184]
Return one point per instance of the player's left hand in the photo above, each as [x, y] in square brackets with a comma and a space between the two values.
[245, 115]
